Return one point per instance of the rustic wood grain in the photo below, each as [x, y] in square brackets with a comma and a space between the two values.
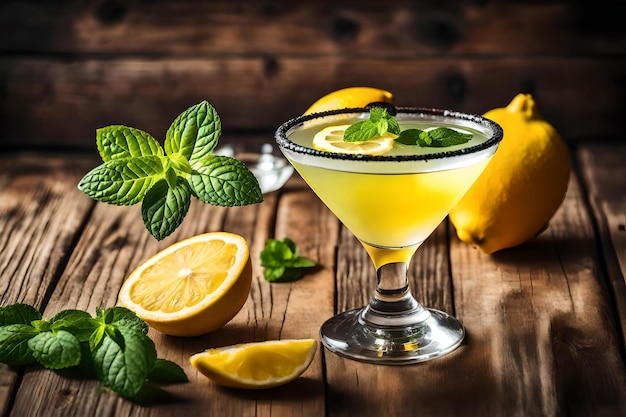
[604, 171]
[39, 202]
[325, 27]
[543, 334]
[540, 323]
[49, 102]
[114, 242]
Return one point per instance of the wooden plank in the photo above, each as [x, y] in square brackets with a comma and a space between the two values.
[365, 28]
[540, 341]
[39, 202]
[540, 323]
[603, 171]
[114, 242]
[48, 102]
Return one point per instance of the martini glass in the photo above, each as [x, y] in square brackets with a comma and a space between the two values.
[391, 203]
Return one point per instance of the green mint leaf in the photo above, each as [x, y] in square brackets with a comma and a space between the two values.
[56, 350]
[225, 181]
[277, 252]
[180, 164]
[166, 372]
[274, 274]
[14, 348]
[393, 125]
[361, 131]
[377, 114]
[443, 137]
[18, 314]
[124, 370]
[301, 262]
[164, 208]
[40, 325]
[77, 322]
[194, 133]
[382, 126]
[123, 317]
[281, 261]
[122, 181]
[115, 334]
[409, 137]
[285, 275]
[95, 339]
[171, 177]
[122, 142]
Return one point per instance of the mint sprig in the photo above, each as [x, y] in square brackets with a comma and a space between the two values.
[381, 122]
[136, 168]
[114, 345]
[282, 262]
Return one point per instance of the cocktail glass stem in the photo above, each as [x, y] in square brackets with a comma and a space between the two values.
[393, 304]
[393, 328]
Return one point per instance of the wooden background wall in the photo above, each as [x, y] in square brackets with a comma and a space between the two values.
[69, 67]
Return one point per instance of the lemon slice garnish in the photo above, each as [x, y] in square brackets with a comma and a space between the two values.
[330, 139]
[192, 287]
[256, 365]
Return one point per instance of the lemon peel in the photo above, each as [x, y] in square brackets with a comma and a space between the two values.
[192, 287]
[256, 365]
[350, 97]
[522, 186]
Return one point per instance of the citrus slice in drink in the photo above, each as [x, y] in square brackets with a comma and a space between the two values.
[192, 287]
[350, 97]
[256, 365]
[330, 139]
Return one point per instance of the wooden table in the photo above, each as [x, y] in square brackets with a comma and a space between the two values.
[545, 320]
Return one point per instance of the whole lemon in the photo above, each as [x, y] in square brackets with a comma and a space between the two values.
[522, 186]
[350, 97]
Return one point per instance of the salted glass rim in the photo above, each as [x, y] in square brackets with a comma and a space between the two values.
[496, 134]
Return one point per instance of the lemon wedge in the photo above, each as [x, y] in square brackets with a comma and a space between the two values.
[192, 287]
[350, 97]
[256, 365]
[330, 139]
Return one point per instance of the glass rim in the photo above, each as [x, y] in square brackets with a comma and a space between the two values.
[283, 141]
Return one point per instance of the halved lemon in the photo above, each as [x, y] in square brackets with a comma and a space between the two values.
[350, 97]
[256, 365]
[192, 287]
[330, 139]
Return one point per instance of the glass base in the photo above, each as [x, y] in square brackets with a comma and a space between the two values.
[348, 335]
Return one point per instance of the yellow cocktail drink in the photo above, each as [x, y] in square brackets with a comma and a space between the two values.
[391, 201]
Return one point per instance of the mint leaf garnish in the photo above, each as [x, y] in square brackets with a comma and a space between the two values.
[224, 181]
[164, 207]
[379, 123]
[77, 322]
[166, 372]
[14, 348]
[114, 345]
[122, 181]
[136, 168]
[56, 350]
[18, 314]
[122, 142]
[409, 137]
[282, 262]
[443, 137]
[124, 370]
[194, 133]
